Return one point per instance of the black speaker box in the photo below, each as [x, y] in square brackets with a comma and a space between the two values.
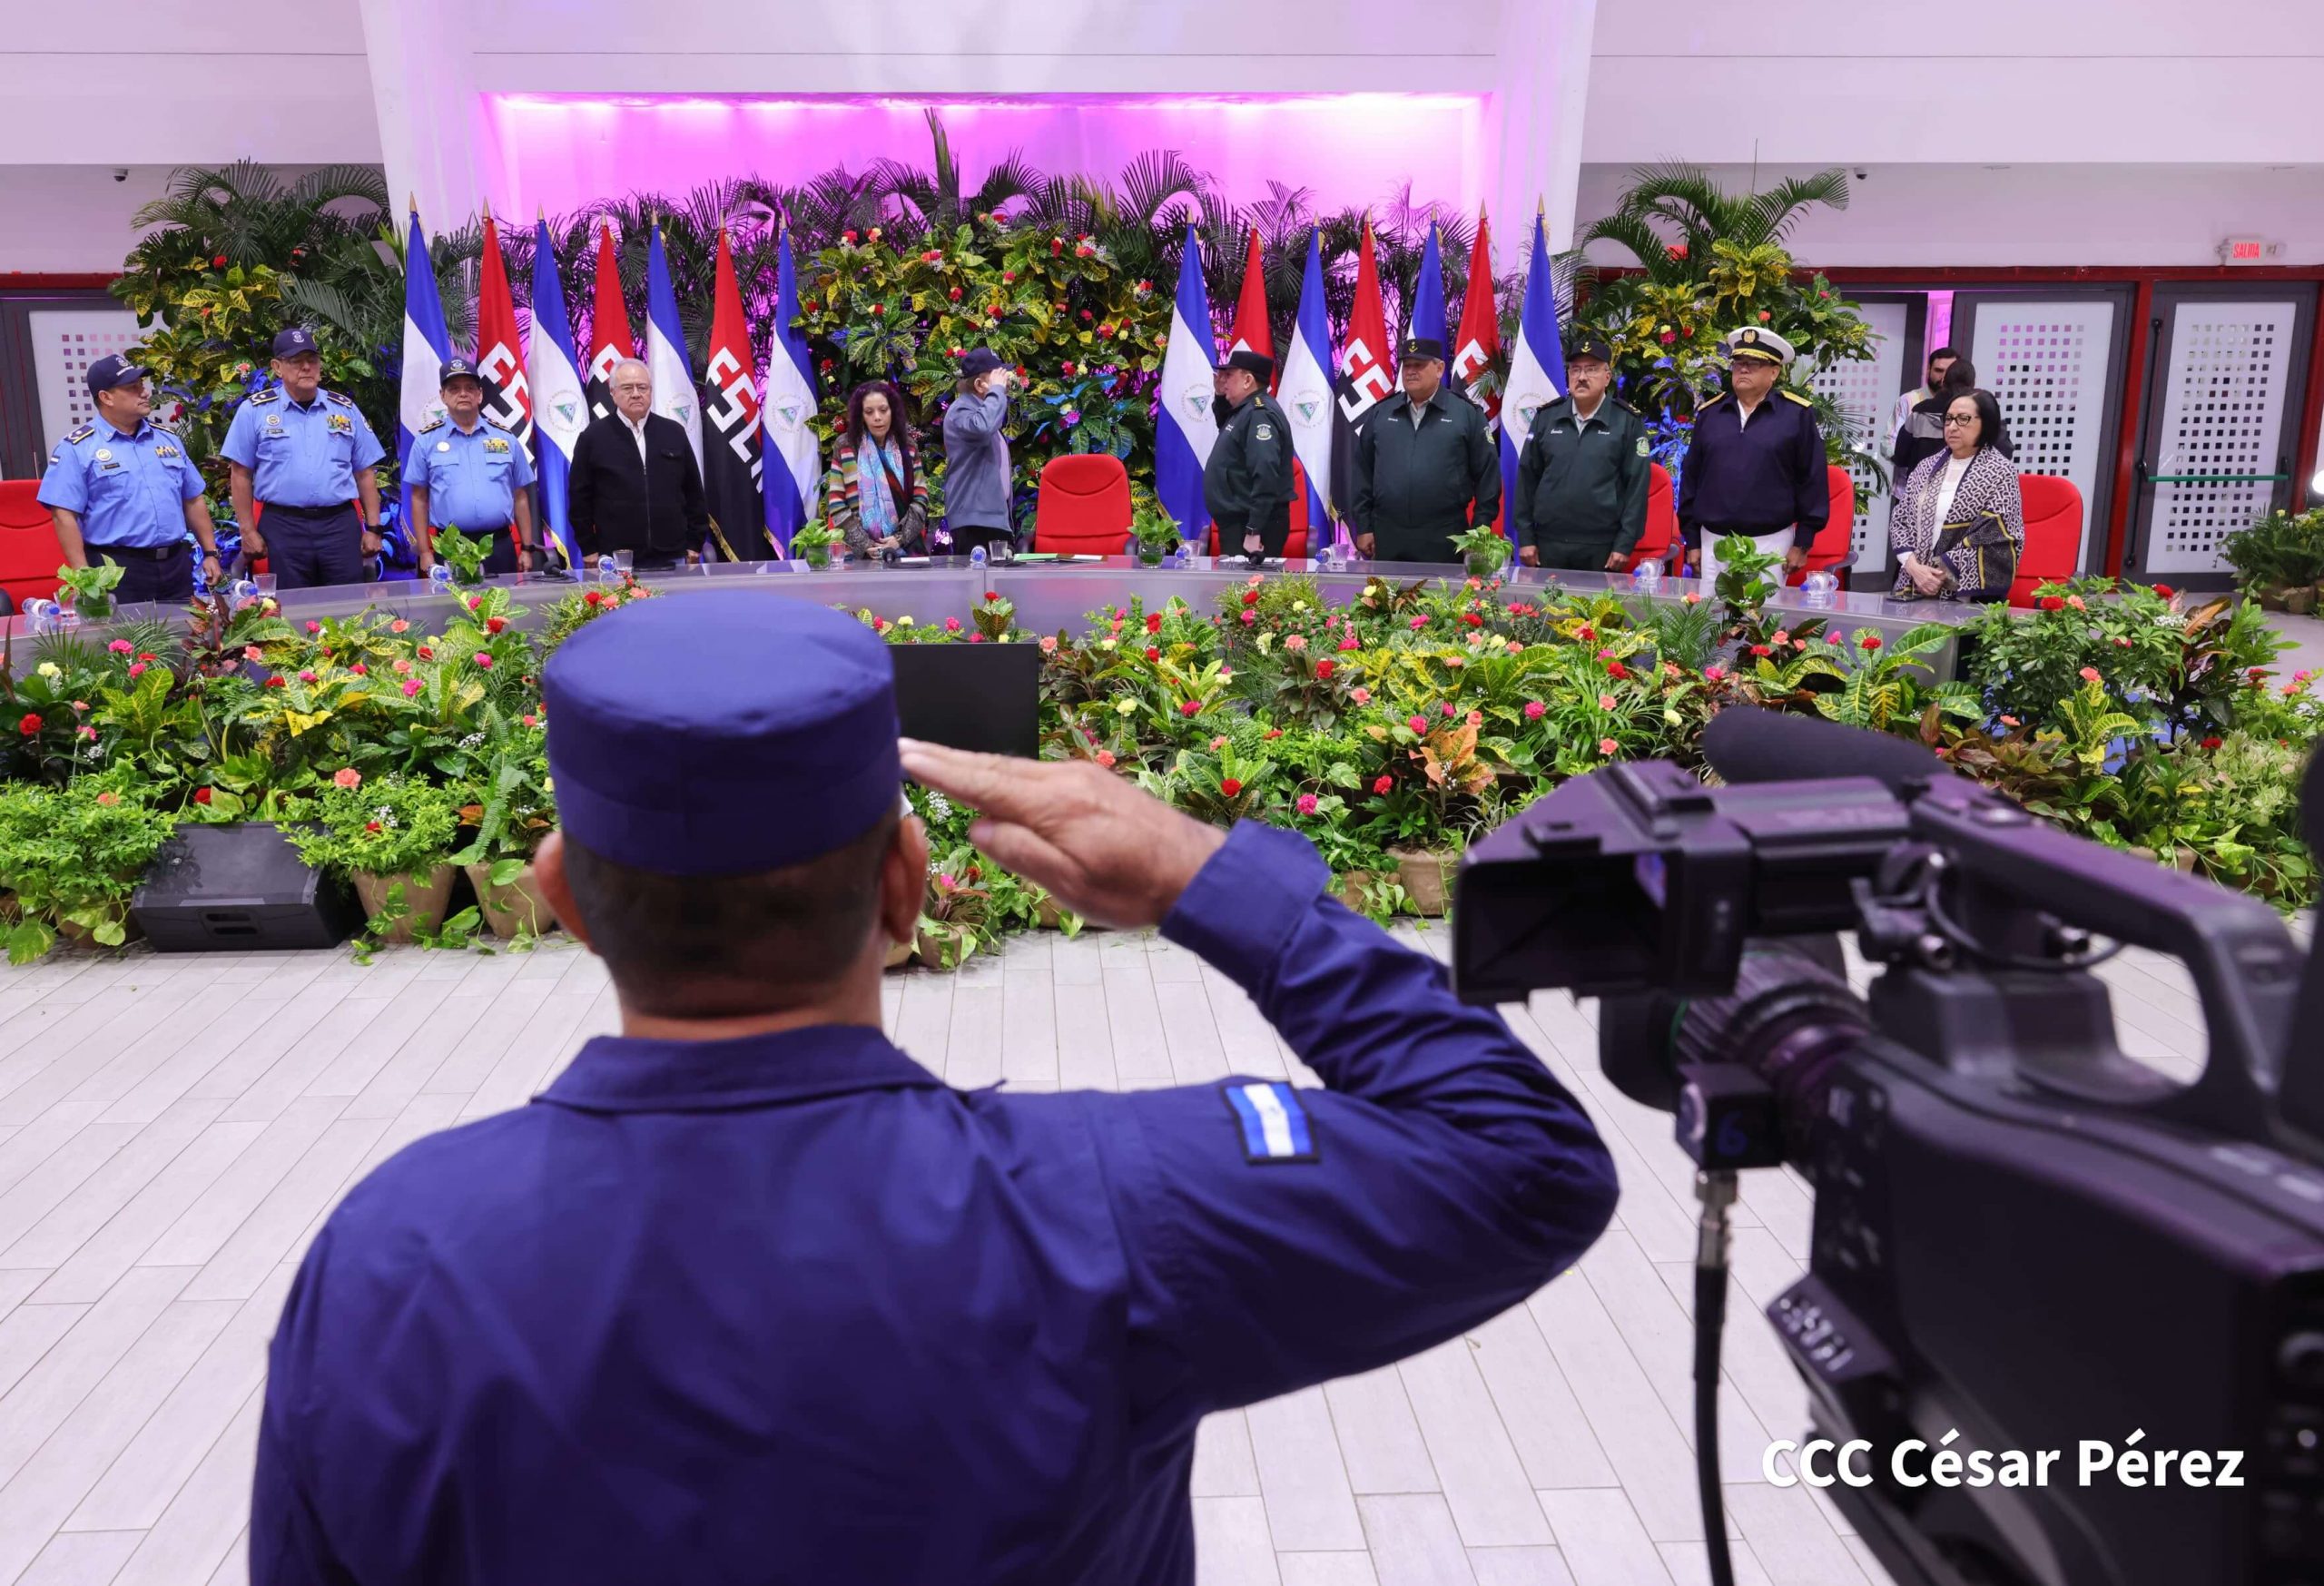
[240, 888]
[985, 697]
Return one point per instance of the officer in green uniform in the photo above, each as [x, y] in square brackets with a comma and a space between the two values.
[1425, 466]
[1246, 484]
[1583, 474]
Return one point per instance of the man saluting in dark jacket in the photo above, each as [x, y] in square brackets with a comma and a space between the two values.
[635, 486]
[1425, 469]
[1246, 483]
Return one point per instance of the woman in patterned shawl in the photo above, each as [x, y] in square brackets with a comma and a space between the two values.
[1960, 524]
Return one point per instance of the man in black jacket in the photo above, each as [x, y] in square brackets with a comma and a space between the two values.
[1583, 475]
[635, 486]
[1425, 468]
[1246, 484]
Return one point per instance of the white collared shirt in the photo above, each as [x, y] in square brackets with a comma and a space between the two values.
[638, 432]
[1581, 420]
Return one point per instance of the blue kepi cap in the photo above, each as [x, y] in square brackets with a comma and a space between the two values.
[721, 732]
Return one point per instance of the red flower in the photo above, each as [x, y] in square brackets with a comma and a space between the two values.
[2054, 603]
[360, 670]
[276, 682]
[954, 294]
[220, 262]
[425, 653]
[201, 795]
[1066, 368]
[1870, 641]
[1153, 622]
[1056, 245]
[2165, 591]
[991, 595]
[1275, 732]
[1229, 786]
[1009, 275]
[1324, 669]
[847, 237]
[1615, 669]
[493, 625]
[1152, 654]
[1473, 619]
[1759, 649]
[1250, 597]
[2210, 742]
[878, 308]
[1586, 633]
[1677, 251]
[1189, 708]
[590, 598]
[370, 825]
[1382, 785]
[30, 725]
[932, 256]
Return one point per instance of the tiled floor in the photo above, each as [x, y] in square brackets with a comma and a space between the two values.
[172, 1130]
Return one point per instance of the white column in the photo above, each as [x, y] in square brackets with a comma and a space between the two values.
[1541, 91]
[423, 87]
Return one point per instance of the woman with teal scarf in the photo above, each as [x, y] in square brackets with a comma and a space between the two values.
[873, 492]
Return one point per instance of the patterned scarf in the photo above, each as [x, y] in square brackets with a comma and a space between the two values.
[875, 504]
[1984, 531]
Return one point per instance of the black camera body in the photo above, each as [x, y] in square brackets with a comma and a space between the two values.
[2108, 1286]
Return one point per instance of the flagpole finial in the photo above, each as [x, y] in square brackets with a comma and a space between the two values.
[414, 202]
[544, 212]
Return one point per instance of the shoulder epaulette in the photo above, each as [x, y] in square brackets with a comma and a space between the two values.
[1795, 395]
[342, 401]
[164, 428]
[1714, 402]
[432, 425]
[79, 435]
[496, 424]
[1625, 407]
[275, 395]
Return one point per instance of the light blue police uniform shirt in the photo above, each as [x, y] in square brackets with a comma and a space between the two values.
[301, 456]
[471, 476]
[128, 489]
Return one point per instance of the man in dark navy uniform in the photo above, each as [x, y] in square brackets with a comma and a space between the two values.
[1246, 484]
[749, 1296]
[1756, 466]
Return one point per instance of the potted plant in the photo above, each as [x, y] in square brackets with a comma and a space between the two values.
[511, 808]
[1154, 535]
[1435, 790]
[952, 918]
[90, 589]
[393, 836]
[813, 545]
[465, 557]
[2278, 560]
[70, 857]
[1484, 550]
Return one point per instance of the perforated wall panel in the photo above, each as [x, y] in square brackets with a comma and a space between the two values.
[1866, 391]
[2045, 364]
[2222, 413]
[65, 342]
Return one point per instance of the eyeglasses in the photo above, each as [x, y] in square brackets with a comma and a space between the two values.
[1959, 421]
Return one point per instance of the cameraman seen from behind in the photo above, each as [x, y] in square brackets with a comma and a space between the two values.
[1583, 475]
[1247, 485]
[747, 1293]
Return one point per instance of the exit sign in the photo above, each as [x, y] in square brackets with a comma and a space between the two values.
[2248, 249]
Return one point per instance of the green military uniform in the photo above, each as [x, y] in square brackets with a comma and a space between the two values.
[1582, 484]
[1247, 485]
[1422, 475]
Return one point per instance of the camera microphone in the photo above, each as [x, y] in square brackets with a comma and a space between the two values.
[1747, 744]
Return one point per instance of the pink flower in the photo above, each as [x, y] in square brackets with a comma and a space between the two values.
[1218, 743]
[1535, 710]
[1361, 695]
[138, 670]
[1295, 641]
[484, 660]
[1607, 746]
[108, 798]
[314, 627]
[253, 653]
[1048, 644]
[1249, 616]
[1419, 623]
[1305, 803]
[531, 721]
[1448, 707]
[1418, 723]
[90, 734]
[1106, 758]
[2090, 673]
[1605, 702]
[1691, 598]
[1782, 637]
[1255, 580]
[403, 666]
[1349, 642]
[951, 624]
[976, 639]
[1190, 708]
[360, 670]
[2075, 601]
[410, 686]
[347, 776]
[399, 627]
[120, 646]
[2011, 722]
[1714, 674]
[1476, 718]
[306, 676]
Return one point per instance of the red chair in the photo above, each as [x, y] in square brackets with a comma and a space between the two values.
[1295, 543]
[1083, 508]
[1661, 520]
[1837, 543]
[2052, 535]
[29, 553]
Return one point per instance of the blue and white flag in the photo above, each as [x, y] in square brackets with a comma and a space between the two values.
[1427, 310]
[1536, 363]
[1306, 391]
[425, 349]
[560, 408]
[792, 463]
[1184, 429]
[666, 350]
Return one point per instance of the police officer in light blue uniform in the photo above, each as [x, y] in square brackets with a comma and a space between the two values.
[469, 473]
[747, 1295]
[122, 491]
[305, 455]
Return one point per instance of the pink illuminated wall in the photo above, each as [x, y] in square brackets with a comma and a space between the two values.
[564, 150]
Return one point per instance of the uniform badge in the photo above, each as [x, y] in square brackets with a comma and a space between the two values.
[104, 454]
[1263, 432]
[274, 421]
[341, 424]
[443, 446]
[1274, 1125]
[166, 453]
[492, 443]
[1642, 447]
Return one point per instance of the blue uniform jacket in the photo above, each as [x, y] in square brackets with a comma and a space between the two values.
[1755, 477]
[128, 489]
[788, 1309]
[301, 456]
[471, 476]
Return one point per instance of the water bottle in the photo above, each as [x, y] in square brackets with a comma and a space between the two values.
[1648, 577]
[42, 615]
[242, 592]
[441, 575]
[976, 554]
[1820, 588]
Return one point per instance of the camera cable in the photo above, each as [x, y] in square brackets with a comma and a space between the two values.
[1717, 1192]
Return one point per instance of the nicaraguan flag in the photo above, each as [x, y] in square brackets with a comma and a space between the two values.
[1536, 363]
[1427, 317]
[666, 350]
[425, 349]
[792, 462]
[560, 407]
[1184, 429]
[1306, 391]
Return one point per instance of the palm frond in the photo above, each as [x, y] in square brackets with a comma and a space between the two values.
[1769, 215]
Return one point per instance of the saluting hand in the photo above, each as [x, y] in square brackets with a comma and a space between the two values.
[1106, 850]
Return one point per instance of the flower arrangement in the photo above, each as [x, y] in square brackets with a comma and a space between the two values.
[811, 543]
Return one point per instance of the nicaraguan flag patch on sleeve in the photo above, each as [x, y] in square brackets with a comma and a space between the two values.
[1274, 1126]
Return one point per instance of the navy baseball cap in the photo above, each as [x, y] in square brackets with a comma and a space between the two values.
[111, 371]
[1423, 348]
[983, 361]
[294, 342]
[1256, 364]
[456, 369]
[1591, 347]
[667, 746]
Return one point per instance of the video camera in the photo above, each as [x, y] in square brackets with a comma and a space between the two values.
[2021, 1235]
